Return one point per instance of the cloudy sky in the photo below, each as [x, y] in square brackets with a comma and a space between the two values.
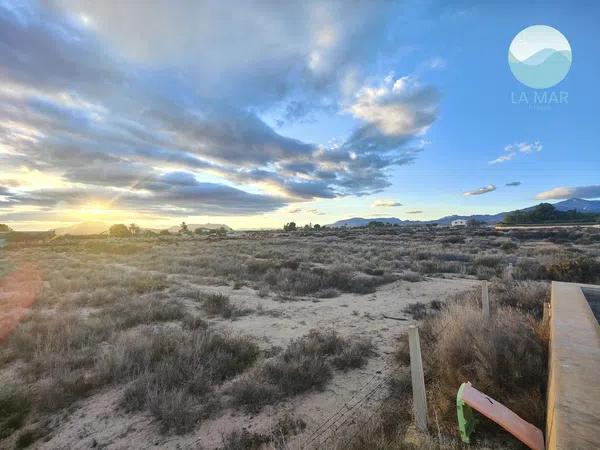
[255, 113]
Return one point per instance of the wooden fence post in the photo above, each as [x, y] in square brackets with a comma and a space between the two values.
[485, 300]
[418, 379]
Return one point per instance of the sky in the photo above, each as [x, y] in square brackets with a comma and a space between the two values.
[257, 113]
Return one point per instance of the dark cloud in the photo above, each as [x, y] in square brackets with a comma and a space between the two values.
[41, 48]
[513, 183]
[185, 197]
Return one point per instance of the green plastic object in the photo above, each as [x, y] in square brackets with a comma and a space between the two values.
[466, 418]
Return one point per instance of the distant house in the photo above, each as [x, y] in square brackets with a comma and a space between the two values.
[458, 223]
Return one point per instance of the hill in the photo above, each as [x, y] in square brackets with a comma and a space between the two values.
[578, 204]
[545, 213]
[83, 229]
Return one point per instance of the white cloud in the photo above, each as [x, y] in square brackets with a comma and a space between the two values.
[481, 190]
[400, 107]
[524, 147]
[503, 158]
[570, 192]
[383, 203]
[512, 150]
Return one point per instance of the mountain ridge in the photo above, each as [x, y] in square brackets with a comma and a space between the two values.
[582, 205]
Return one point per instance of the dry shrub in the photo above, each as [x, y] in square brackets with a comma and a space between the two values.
[309, 281]
[138, 311]
[412, 277]
[418, 310]
[526, 296]
[220, 305]
[577, 270]
[15, 403]
[174, 409]
[304, 365]
[529, 269]
[276, 437]
[174, 371]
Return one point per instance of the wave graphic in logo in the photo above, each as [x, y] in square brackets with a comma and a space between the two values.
[540, 57]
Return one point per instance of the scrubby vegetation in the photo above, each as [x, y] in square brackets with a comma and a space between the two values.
[547, 213]
[306, 364]
[151, 318]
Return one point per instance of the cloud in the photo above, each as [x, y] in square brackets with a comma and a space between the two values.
[570, 192]
[254, 55]
[524, 147]
[513, 183]
[512, 150]
[414, 212]
[183, 198]
[382, 203]
[167, 108]
[481, 190]
[315, 212]
[294, 210]
[395, 112]
[503, 158]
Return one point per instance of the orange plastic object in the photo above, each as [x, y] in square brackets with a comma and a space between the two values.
[527, 433]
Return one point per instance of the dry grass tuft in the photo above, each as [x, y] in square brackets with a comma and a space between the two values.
[174, 372]
[305, 364]
[15, 404]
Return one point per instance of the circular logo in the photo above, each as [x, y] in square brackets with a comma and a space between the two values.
[539, 56]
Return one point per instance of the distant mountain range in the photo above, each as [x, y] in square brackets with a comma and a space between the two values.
[581, 205]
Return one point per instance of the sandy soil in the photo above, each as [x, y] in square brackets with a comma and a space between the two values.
[98, 423]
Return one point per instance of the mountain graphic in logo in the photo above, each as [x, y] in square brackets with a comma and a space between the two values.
[540, 57]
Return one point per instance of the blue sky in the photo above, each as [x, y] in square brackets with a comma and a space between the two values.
[258, 113]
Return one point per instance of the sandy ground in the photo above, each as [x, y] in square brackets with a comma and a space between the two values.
[98, 423]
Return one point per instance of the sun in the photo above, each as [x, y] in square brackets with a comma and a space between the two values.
[94, 210]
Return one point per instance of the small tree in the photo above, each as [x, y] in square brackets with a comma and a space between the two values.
[4, 227]
[375, 224]
[134, 229]
[316, 227]
[290, 226]
[119, 230]
[164, 233]
[183, 228]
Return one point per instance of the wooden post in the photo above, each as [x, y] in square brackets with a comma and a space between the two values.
[508, 273]
[485, 300]
[418, 379]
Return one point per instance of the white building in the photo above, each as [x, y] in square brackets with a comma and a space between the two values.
[458, 223]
